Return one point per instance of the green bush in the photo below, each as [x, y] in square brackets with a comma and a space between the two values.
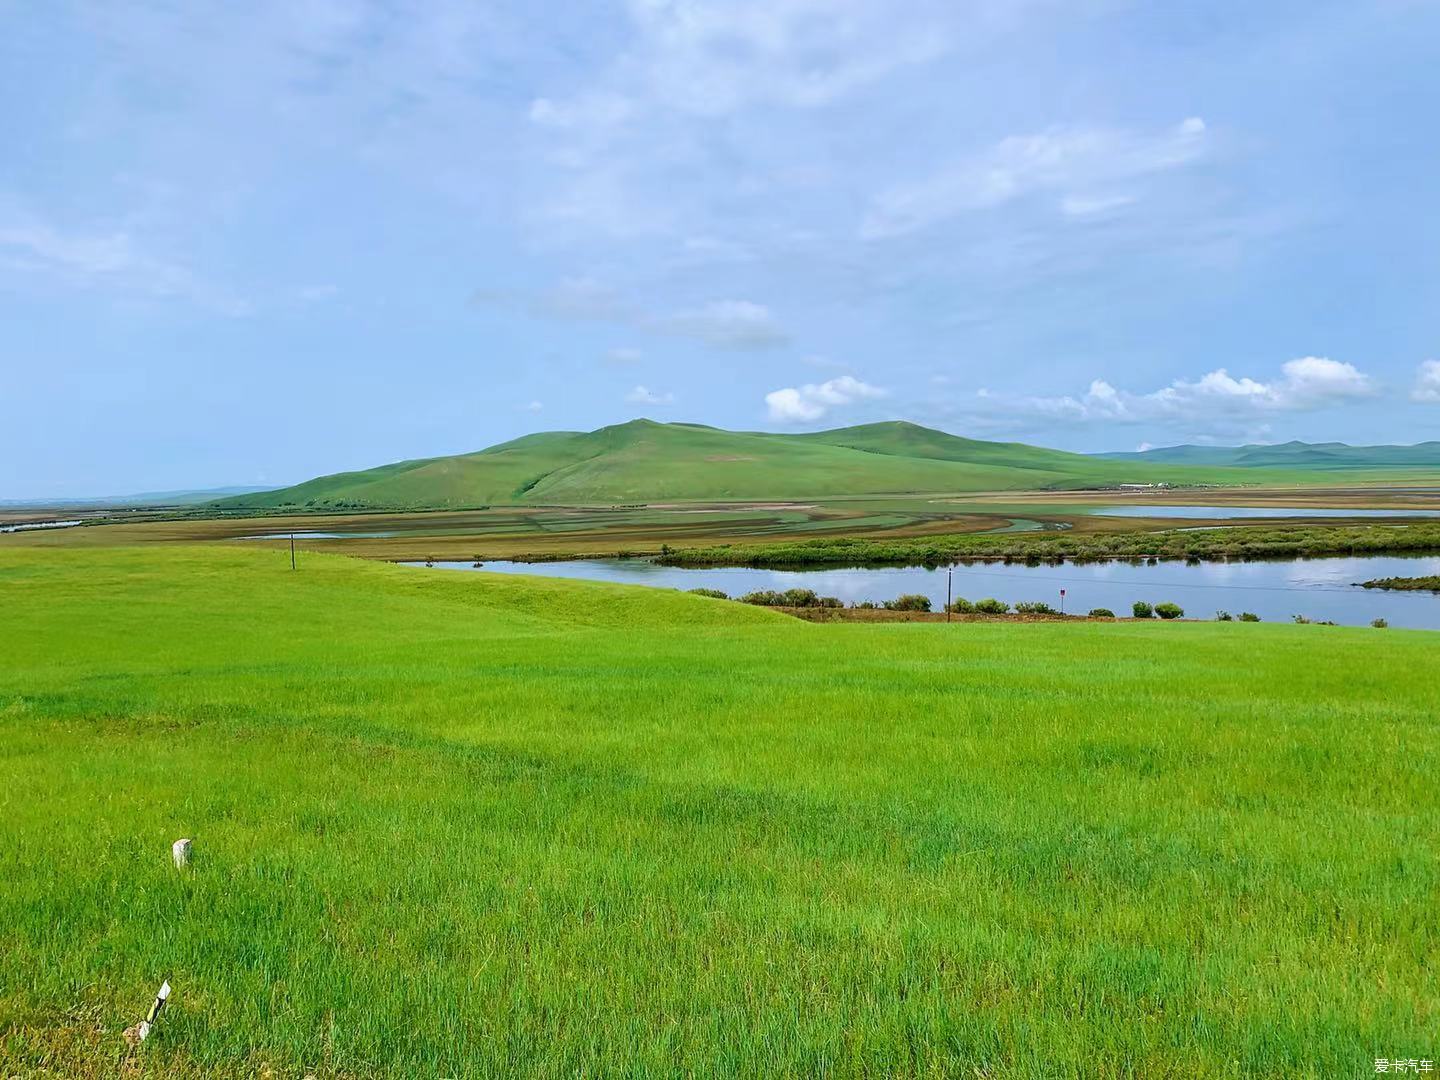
[1167, 610]
[1249, 616]
[1101, 613]
[1379, 624]
[866, 605]
[991, 606]
[1034, 607]
[801, 598]
[1224, 616]
[908, 602]
[714, 594]
[1141, 610]
[961, 606]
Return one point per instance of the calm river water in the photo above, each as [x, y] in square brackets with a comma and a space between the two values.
[1276, 591]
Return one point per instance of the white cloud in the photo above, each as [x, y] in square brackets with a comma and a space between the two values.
[642, 395]
[1090, 206]
[1317, 380]
[728, 324]
[1071, 162]
[681, 124]
[595, 110]
[108, 259]
[805, 404]
[712, 57]
[1427, 383]
[533, 406]
[1310, 382]
[102, 253]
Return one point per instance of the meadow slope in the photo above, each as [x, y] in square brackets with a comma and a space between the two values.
[475, 825]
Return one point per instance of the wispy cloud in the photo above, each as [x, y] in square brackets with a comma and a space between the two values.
[715, 56]
[721, 324]
[1082, 166]
[728, 324]
[1427, 383]
[581, 298]
[811, 402]
[111, 260]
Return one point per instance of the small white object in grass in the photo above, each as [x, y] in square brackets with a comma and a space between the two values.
[180, 852]
[140, 1031]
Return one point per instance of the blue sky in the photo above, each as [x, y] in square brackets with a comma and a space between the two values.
[251, 243]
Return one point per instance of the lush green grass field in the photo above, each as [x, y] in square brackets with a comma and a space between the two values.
[473, 825]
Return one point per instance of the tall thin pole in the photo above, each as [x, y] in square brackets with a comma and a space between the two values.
[292, 551]
[949, 580]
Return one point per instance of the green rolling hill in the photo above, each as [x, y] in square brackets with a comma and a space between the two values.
[645, 461]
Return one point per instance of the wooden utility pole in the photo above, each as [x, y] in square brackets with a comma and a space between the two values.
[949, 581]
[292, 551]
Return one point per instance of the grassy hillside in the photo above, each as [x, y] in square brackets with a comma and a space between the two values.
[643, 461]
[1332, 456]
[470, 825]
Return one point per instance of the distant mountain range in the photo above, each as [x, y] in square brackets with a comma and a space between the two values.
[645, 462]
[186, 497]
[1291, 455]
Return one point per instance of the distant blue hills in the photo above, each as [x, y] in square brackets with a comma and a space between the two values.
[1293, 455]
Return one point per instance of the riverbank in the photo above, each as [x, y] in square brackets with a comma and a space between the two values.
[883, 615]
[1249, 542]
[1405, 584]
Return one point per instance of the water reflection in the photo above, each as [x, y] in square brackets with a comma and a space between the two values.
[1276, 591]
[1254, 512]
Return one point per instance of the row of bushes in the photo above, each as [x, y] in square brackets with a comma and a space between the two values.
[798, 598]
[808, 598]
[1142, 609]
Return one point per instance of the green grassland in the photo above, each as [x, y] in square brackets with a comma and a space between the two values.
[476, 825]
[644, 461]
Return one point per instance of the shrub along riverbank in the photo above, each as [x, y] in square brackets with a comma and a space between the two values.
[1405, 584]
[806, 600]
[1223, 543]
